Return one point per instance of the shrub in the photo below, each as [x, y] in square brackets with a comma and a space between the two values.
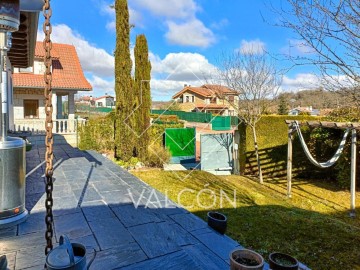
[158, 155]
[97, 134]
[165, 118]
[131, 163]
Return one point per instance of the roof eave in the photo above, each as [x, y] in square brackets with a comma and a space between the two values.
[54, 88]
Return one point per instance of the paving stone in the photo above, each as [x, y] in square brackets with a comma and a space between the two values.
[30, 257]
[175, 261]
[8, 232]
[122, 256]
[168, 208]
[153, 240]
[107, 186]
[177, 234]
[35, 202]
[87, 194]
[131, 216]
[189, 222]
[110, 233]
[96, 210]
[60, 181]
[34, 223]
[205, 258]
[21, 242]
[62, 191]
[116, 198]
[221, 245]
[202, 231]
[72, 225]
[11, 259]
[34, 187]
[65, 205]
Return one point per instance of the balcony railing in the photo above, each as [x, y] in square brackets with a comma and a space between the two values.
[37, 126]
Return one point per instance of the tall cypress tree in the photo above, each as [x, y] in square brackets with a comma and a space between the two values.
[282, 108]
[143, 96]
[123, 83]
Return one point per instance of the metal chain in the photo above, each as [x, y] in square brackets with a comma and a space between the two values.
[47, 44]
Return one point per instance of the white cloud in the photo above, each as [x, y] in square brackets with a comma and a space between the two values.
[169, 8]
[252, 46]
[221, 24]
[300, 81]
[189, 33]
[181, 66]
[102, 86]
[182, 25]
[297, 47]
[134, 16]
[94, 60]
[176, 69]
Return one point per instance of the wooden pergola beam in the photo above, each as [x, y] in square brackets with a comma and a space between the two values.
[326, 124]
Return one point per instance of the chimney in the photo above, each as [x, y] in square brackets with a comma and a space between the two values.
[185, 85]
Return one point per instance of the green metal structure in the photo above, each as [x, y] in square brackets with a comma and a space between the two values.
[187, 116]
[181, 143]
[221, 123]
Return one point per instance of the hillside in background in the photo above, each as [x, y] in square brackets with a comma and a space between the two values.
[318, 99]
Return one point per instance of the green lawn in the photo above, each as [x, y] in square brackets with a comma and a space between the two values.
[313, 226]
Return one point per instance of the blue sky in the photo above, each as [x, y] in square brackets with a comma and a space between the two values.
[185, 38]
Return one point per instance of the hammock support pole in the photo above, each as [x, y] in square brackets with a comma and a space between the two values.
[294, 126]
[289, 161]
[353, 172]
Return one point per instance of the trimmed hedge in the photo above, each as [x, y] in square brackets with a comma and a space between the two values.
[272, 141]
[97, 134]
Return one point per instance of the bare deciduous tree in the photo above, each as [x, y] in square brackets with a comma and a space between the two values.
[256, 80]
[331, 29]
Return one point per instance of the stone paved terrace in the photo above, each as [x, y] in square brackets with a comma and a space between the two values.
[92, 206]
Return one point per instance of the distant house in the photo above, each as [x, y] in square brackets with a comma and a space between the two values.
[304, 110]
[105, 101]
[211, 98]
[85, 100]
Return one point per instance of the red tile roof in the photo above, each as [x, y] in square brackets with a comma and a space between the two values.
[206, 90]
[108, 96]
[221, 89]
[67, 71]
[212, 106]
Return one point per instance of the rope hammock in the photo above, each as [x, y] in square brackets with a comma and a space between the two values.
[331, 161]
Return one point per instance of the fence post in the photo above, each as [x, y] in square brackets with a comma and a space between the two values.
[353, 172]
[289, 161]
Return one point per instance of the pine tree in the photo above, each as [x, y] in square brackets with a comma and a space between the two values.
[143, 96]
[282, 108]
[124, 136]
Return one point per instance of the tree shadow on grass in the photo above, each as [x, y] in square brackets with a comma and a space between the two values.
[320, 241]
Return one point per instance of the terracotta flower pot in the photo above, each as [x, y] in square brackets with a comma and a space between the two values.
[217, 221]
[281, 261]
[245, 259]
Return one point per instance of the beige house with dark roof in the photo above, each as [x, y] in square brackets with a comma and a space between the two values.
[215, 99]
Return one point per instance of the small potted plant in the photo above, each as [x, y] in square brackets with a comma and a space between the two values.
[217, 221]
[245, 259]
[281, 261]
